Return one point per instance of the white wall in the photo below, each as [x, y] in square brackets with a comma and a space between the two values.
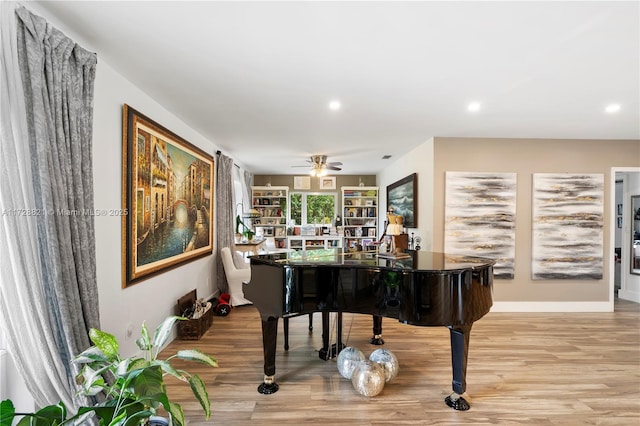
[154, 299]
[420, 161]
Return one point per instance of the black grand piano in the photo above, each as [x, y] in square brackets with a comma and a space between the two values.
[423, 289]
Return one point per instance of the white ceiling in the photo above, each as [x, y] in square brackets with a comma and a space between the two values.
[256, 77]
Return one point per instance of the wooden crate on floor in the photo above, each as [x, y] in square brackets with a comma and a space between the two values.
[192, 329]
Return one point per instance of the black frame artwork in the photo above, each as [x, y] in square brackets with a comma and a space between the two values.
[402, 196]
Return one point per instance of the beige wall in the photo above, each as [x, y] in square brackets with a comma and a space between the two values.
[525, 157]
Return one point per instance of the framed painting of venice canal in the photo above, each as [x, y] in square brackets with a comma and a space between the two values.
[167, 190]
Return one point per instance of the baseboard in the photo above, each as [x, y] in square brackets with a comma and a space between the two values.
[213, 295]
[552, 307]
[632, 296]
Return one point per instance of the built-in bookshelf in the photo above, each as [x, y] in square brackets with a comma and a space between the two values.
[360, 217]
[271, 203]
[314, 243]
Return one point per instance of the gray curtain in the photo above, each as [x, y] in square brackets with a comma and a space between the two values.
[225, 214]
[57, 77]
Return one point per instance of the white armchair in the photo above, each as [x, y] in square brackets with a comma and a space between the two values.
[235, 277]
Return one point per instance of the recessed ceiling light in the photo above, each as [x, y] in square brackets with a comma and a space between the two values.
[334, 105]
[612, 108]
[473, 106]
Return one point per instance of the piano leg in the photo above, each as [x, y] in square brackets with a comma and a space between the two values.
[327, 352]
[377, 331]
[285, 326]
[459, 352]
[269, 337]
[339, 345]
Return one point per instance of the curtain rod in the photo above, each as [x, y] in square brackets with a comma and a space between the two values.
[218, 152]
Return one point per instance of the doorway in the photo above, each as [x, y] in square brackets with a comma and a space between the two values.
[625, 182]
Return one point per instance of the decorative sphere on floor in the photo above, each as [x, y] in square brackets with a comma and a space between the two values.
[347, 360]
[387, 361]
[368, 378]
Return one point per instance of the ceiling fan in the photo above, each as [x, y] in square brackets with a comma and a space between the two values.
[319, 165]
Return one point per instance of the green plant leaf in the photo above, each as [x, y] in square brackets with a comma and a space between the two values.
[119, 420]
[106, 410]
[144, 341]
[147, 381]
[137, 363]
[200, 391]
[163, 331]
[91, 381]
[196, 355]
[58, 410]
[176, 413]
[7, 412]
[135, 419]
[142, 345]
[47, 416]
[92, 354]
[81, 419]
[124, 382]
[156, 400]
[122, 368]
[25, 421]
[168, 368]
[106, 342]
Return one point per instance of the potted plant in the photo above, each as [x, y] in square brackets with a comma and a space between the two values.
[133, 388]
[247, 233]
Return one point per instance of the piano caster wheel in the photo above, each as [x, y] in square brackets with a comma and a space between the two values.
[268, 386]
[326, 354]
[376, 340]
[457, 402]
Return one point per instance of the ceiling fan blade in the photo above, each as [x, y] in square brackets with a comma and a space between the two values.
[320, 162]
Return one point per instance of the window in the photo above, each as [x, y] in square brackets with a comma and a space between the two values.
[313, 209]
[240, 192]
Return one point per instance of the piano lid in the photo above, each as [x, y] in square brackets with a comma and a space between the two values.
[416, 261]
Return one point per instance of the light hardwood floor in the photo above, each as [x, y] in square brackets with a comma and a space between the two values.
[524, 368]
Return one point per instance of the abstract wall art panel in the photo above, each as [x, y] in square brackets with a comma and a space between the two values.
[567, 226]
[480, 212]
